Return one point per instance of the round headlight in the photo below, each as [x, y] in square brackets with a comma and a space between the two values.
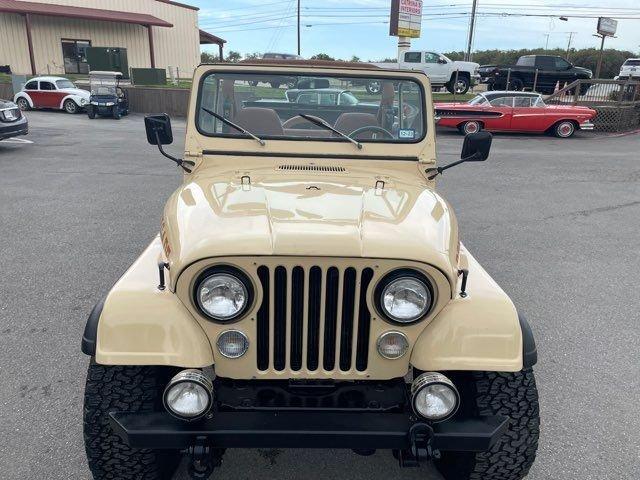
[189, 395]
[223, 295]
[434, 397]
[392, 345]
[404, 297]
[232, 344]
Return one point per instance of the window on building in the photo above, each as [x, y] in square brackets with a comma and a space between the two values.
[74, 53]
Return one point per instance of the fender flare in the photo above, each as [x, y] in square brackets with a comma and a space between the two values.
[23, 94]
[90, 335]
[529, 350]
[76, 99]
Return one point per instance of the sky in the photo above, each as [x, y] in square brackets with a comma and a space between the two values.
[343, 28]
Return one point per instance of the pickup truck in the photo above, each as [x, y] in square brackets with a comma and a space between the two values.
[441, 70]
[630, 70]
[551, 71]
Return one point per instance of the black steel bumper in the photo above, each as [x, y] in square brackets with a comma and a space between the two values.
[242, 429]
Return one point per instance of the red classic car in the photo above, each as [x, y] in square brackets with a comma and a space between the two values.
[514, 112]
[52, 92]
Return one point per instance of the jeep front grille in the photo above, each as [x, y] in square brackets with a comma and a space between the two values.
[313, 318]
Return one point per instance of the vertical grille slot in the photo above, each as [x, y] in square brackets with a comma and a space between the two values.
[297, 317]
[313, 318]
[346, 327]
[263, 320]
[280, 318]
[313, 336]
[330, 318]
[364, 323]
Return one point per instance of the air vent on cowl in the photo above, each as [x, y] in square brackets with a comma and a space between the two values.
[312, 168]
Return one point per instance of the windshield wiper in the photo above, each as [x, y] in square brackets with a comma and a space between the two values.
[233, 125]
[322, 123]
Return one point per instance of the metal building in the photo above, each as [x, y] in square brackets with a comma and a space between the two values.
[51, 37]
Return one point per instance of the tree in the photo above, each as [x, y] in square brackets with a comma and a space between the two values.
[206, 57]
[355, 58]
[233, 56]
[322, 56]
[253, 56]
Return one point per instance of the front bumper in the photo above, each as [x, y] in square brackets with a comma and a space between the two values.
[281, 414]
[306, 430]
[587, 126]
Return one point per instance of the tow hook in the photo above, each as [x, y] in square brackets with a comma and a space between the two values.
[203, 459]
[420, 450]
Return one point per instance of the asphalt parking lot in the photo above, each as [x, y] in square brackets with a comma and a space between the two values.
[555, 222]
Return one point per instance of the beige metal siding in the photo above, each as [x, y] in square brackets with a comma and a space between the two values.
[178, 46]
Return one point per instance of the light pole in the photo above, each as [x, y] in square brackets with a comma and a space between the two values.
[571, 34]
[298, 27]
[472, 26]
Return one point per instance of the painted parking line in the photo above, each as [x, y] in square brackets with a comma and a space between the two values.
[16, 140]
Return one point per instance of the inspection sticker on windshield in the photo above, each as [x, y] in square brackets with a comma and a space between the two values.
[407, 133]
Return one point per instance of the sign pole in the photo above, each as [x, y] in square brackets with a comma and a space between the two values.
[599, 67]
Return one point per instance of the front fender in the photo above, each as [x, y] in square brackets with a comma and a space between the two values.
[481, 331]
[21, 95]
[138, 324]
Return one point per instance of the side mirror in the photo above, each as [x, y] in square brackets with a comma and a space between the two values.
[476, 147]
[159, 133]
[158, 129]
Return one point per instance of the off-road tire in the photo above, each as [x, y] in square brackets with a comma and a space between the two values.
[131, 389]
[115, 113]
[23, 104]
[70, 107]
[91, 112]
[490, 393]
[516, 85]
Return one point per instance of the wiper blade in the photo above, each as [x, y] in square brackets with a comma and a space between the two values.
[321, 123]
[233, 125]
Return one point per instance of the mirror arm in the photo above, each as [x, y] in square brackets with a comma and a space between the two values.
[439, 170]
[178, 161]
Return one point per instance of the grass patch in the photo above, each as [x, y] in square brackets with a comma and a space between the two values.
[4, 78]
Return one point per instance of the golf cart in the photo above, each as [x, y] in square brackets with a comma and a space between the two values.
[107, 97]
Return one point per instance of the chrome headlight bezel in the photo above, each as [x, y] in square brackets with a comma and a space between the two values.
[397, 275]
[193, 377]
[230, 271]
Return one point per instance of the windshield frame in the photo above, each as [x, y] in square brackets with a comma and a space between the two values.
[289, 73]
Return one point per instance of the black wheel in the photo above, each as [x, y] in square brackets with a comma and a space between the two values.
[134, 389]
[373, 87]
[70, 106]
[470, 127]
[274, 84]
[116, 112]
[564, 129]
[490, 393]
[516, 85]
[91, 112]
[460, 87]
[23, 104]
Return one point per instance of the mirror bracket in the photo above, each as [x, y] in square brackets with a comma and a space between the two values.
[186, 165]
[440, 170]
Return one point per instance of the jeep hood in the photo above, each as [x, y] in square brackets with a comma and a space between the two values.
[224, 215]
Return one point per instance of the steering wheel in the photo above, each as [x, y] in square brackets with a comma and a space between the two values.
[373, 129]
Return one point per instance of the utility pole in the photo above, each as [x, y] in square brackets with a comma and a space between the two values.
[546, 44]
[472, 26]
[571, 34]
[298, 27]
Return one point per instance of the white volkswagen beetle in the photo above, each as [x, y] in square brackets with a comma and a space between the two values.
[52, 92]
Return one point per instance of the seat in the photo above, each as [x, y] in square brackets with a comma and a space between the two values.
[349, 122]
[260, 121]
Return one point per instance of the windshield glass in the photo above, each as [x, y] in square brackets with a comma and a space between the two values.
[478, 100]
[64, 84]
[367, 109]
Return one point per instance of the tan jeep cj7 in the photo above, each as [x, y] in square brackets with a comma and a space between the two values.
[308, 289]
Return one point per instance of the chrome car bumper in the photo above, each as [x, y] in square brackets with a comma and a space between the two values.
[587, 126]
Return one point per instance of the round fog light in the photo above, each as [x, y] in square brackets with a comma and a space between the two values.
[232, 344]
[392, 345]
[434, 397]
[189, 395]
